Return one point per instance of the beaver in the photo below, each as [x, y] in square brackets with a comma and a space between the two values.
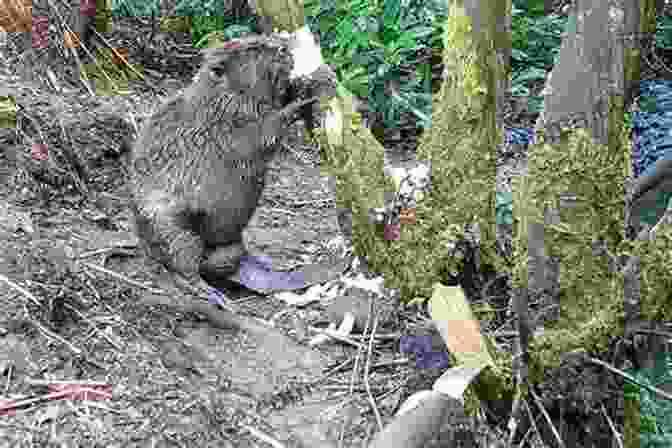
[198, 165]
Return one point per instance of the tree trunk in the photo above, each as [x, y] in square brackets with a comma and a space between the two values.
[588, 87]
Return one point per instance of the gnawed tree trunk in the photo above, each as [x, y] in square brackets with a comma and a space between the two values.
[364, 189]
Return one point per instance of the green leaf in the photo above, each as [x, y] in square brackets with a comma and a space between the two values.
[504, 207]
[391, 12]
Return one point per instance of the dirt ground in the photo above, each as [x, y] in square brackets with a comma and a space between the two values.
[176, 380]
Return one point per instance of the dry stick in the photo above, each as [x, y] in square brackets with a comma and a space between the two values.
[124, 278]
[646, 234]
[116, 249]
[617, 436]
[540, 405]
[527, 434]
[630, 378]
[339, 337]
[262, 436]
[21, 290]
[56, 337]
[9, 379]
[67, 28]
[107, 43]
[284, 210]
[352, 379]
[96, 293]
[533, 425]
[665, 334]
[54, 81]
[39, 382]
[69, 156]
[367, 368]
[311, 202]
[369, 435]
[489, 283]
[513, 420]
[95, 328]
[520, 360]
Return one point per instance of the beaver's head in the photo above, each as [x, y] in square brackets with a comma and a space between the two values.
[257, 66]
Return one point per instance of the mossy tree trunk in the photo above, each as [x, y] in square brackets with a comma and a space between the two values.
[596, 73]
[471, 98]
[595, 77]
[355, 159]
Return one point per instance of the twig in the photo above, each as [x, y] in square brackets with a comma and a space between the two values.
[520, 360]
[95, 328]
[18, 288]
[107, 43]
[490, 282]
[339, 337]
[527, 434]
[646, 234]
[540, 405]
[56, 337]
[116, 249]
[311, 202]
[65, 393]
[352, 376]
[617, 436]
[39, 382]
[262, 436]
[73, 164]
[284, 210]
[533, 423]
[9, 378]
[67, 28]
[124, 278]
[513, 419]
[630, 378]
[36, 301]
[367, 369]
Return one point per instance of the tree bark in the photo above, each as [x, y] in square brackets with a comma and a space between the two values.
[589, 86]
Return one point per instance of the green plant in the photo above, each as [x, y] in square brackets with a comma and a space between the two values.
[370, 43]
[210, 16]
[664, 31]
[655, 416]
[535, 44]
[135, 8]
